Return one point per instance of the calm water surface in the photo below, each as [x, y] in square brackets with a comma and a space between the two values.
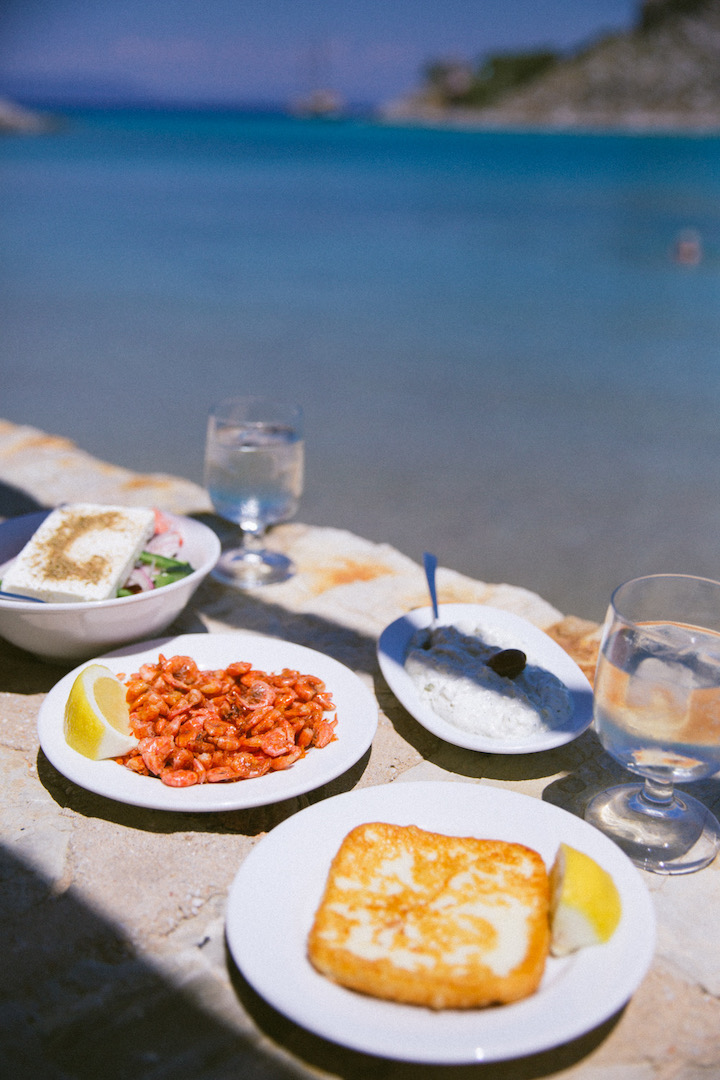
[498, 357]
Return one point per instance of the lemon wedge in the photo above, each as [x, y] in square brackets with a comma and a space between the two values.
[584, 902]
[97, 718]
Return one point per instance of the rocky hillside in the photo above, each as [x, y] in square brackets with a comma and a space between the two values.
[662, 75]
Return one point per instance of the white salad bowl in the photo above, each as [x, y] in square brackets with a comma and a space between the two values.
[77, 631]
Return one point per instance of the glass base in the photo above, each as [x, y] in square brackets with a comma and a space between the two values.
[249, 569]
[677, 837]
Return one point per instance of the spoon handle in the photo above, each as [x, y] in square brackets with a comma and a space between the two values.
[18, 596]
[430, 563]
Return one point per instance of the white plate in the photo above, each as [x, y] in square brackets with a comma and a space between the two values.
[357, 714]
[539, 648]
[577, 993]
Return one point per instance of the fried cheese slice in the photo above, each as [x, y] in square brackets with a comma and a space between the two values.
[434, 920]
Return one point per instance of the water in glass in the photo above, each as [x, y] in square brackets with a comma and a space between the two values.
[254, 473]
[658, 701]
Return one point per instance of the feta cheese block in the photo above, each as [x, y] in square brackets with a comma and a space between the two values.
[82, 551]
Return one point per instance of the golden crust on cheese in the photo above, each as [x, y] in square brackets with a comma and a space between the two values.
[434, 920]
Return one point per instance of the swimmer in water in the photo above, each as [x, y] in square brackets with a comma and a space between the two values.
[688, 250]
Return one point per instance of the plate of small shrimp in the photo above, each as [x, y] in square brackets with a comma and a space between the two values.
[223, 722]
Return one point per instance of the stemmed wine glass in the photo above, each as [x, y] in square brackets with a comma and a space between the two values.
[254, 475]
[657, 711]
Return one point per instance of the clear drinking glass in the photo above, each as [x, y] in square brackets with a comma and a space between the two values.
[254, 474]
[657, 711]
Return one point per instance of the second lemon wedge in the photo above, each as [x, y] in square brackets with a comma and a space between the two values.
[585, 905]
[97, 719]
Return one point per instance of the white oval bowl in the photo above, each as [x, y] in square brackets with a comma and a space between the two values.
[77, 631]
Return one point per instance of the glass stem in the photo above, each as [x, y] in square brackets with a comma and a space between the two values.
[657, 793]
[253, 536]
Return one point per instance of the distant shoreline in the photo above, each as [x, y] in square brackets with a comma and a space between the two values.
[659, 76]
[636, 123]
[18, 119]
[50, 117]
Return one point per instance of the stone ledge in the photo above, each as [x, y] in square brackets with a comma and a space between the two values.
[112, 915]
[50, 470]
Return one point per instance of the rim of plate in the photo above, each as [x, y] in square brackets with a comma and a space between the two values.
[357, 722]
[392, 649]
[578, 993]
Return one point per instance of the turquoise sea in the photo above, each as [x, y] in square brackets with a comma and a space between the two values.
[498, 356]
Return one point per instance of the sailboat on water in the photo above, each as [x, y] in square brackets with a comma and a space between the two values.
[320, 102]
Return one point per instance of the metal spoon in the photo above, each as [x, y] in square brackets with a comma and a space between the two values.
[507, 662]
[430, 564]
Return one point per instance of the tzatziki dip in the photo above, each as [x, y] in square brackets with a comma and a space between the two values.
[450, 671]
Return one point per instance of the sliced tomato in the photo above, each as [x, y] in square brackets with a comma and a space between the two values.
[161, 522]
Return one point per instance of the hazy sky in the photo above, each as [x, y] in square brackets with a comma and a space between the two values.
[269, 50]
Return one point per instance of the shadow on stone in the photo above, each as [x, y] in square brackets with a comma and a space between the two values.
[596, 770]
[78, 1003]
[14, 502]
[253, 821]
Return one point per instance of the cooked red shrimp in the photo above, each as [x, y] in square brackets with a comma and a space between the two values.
[221, 773]
[279, 740]
[193, 697]
[258, 694]
[324, 733]
[179, 777]
[218, 726]
[155, 752]
[284, 761]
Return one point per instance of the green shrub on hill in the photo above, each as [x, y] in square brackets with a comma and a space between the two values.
[455, 83]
